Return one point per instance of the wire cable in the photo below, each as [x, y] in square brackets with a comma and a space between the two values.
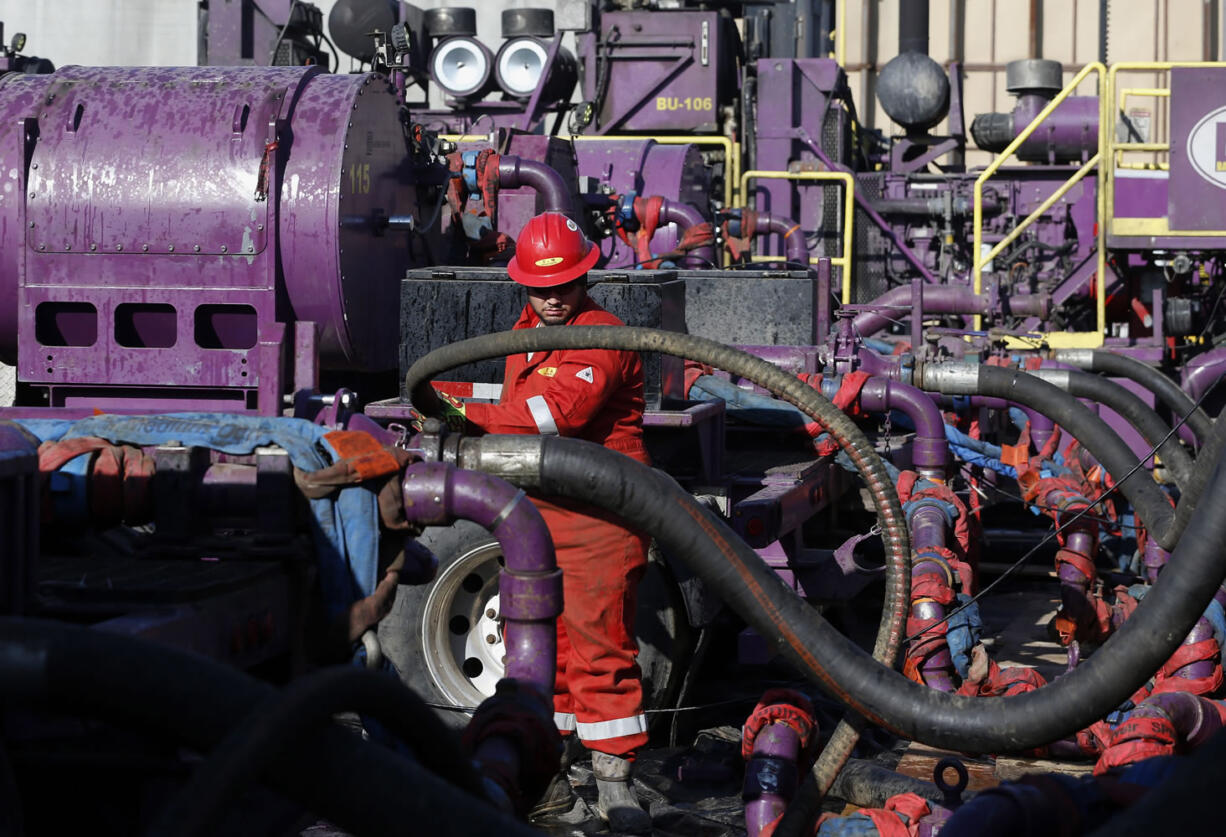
[1016, 565]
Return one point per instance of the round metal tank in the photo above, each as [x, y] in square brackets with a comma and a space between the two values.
[168, 178]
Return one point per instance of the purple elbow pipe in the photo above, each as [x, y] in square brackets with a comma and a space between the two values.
[795, 249]
[685, 217]
[1203, 372]
[778, 742]
[930, 450]
[1195, 718]
[530, 585]
[940, 299]
[514, 172]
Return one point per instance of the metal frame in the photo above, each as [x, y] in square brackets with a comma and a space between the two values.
[849, 204]
[1055, 339]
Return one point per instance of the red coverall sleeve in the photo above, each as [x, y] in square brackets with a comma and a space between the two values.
[563, 405]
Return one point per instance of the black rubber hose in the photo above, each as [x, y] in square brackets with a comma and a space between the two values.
[654, 503]
[1136, 412]
[1166, 390]
[360, 786]
[305, 705]
[1210, 452]
[849, 437]
[1103, 443]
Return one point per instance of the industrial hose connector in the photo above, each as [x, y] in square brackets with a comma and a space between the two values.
[841, 428]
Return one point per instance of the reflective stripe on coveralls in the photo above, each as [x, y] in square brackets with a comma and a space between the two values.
[595, 395]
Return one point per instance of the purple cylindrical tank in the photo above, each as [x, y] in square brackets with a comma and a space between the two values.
[187, 209]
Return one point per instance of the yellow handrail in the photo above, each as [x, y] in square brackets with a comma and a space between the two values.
[849, 211]
[979, 258]
[840, 37]
[1043, 207]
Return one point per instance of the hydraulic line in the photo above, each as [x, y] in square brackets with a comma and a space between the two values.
[1122, 366]
[1131, 408]
[306, 704]
[841, 428]
[654, 503]
[356, 784]
[1103, 443]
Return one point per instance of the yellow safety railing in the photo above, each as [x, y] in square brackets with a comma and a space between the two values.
[982, 258]
[1117, 157]
[732, 151]
[1113, 103]
[843, 262]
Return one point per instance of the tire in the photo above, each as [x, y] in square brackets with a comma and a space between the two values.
[437, 634]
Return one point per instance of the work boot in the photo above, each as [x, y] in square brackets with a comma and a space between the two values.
[616, 801]
[559, 797]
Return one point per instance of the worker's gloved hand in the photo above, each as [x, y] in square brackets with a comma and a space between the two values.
[446, 407]
[451, 411]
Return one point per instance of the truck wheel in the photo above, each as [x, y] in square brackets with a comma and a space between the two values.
[445, 637]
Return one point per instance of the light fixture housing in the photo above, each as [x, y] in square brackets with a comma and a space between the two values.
[462, 67]
[521, 63]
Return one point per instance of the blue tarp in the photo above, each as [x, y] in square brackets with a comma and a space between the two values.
[345, 525]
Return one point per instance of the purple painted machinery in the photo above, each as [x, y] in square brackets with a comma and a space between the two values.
[186, 236]
[230, 252]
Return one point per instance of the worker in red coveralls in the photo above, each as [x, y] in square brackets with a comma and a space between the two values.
[595, 395]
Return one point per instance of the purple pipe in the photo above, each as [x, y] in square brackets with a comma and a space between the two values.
[530, 585]
[767, 793]
[795, 249]
[685, 217]
[1201, 631]
[940, 299]
[928, 525]
[1203, 372]
[1195, 718]
[930, 450]
[1041, 427]
[514, 172]
[1155, 559]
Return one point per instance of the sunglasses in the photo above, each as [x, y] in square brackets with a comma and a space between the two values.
[559, 290]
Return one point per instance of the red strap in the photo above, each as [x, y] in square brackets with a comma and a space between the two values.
[906, 482]
[847, 398]
[1135, 740]
[780, 706]
[1195, 652]
[1078, 562]
[647, 212]
[911, 805]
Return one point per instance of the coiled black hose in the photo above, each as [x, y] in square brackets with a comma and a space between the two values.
[1132, 409]
[362, 787]
[300, 710]
[841, 429]
[1103, 443]
[655, 503]
[1122, 366]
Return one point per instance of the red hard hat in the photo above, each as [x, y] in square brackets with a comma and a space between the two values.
[551, 250]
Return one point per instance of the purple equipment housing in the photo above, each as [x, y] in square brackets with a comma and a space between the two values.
[176, 222]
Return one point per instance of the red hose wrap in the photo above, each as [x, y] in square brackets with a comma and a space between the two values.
[1135, 740]
[782, 706]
